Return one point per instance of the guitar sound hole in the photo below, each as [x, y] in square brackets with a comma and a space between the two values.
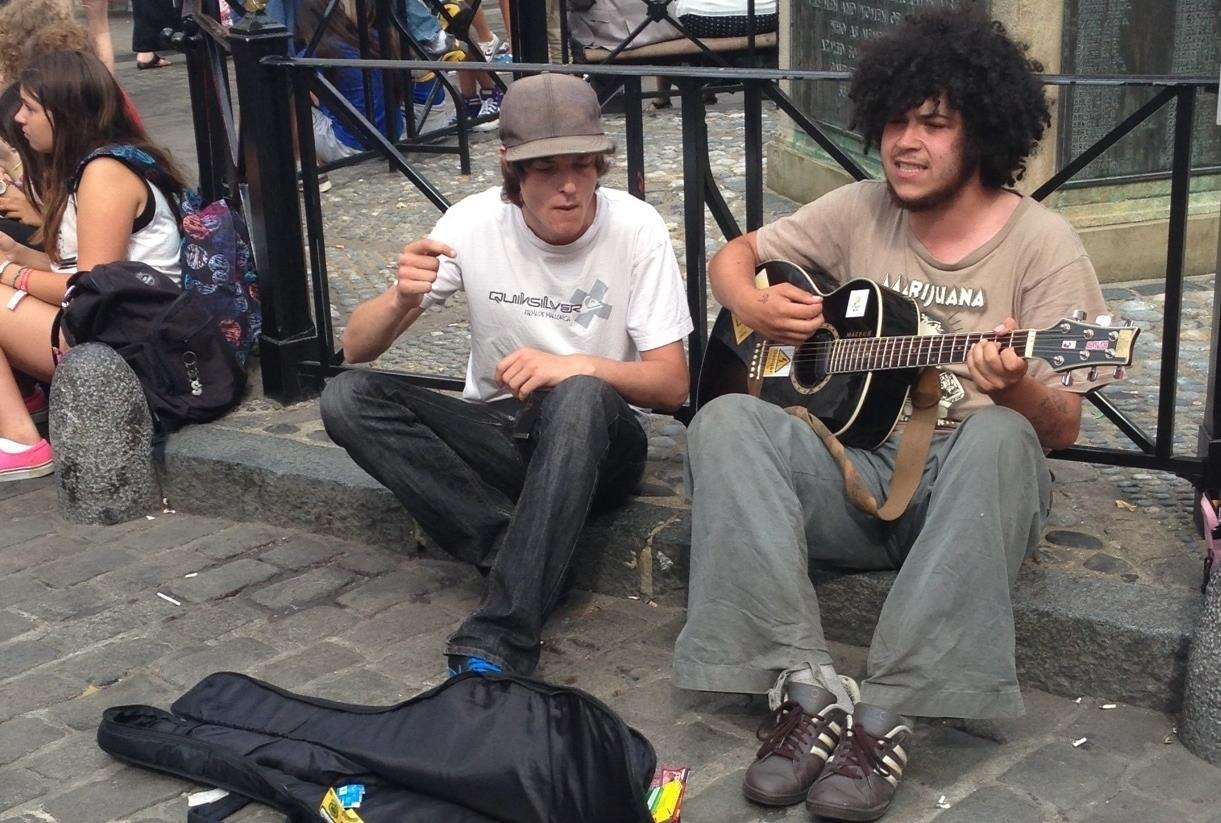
[809, 370]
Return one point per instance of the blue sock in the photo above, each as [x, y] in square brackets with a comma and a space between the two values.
[459, 665]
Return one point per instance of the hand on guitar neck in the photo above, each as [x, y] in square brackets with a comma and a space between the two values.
[995, 368]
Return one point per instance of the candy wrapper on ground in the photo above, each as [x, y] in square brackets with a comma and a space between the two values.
[666, 793]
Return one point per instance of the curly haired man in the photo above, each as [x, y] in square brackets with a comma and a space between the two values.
[954, 107]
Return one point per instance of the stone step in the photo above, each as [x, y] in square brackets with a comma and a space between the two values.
[1076, 634]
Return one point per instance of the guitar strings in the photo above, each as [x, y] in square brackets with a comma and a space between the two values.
[877, 346]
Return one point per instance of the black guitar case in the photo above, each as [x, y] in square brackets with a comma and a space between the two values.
[475, 749]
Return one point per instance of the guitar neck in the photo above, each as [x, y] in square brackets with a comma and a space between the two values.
[917, 351]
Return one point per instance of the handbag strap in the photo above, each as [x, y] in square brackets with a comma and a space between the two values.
[909, 460]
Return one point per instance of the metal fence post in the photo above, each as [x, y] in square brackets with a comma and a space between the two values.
[265, 99]
[211, 146]
[1209, 441]
[528, 31]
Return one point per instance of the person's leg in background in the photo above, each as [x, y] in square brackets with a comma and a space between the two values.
[555, 32]
[98, 26]
[149, 17]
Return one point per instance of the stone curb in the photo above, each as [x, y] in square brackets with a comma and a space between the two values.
[1075, 635]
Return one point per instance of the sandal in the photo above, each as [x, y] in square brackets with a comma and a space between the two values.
[158, 62]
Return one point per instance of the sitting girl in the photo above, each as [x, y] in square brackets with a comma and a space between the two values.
[103, 213]
[332, 139]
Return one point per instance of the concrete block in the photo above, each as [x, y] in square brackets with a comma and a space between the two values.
[1177, 775]
[167, 531]
[368, 561]
[317, 661]
[23, 736]
[299, 591]
[1064, 776]
[209, 622]
[236, 539]
[360, 686]
[39, 550]
[111, 662]
[101, 432]
[36, 691]
[116, 796]
[238, 654]
[304, 627]
[302, 551]
[13, 625]
[66, 761]
[22, 656]
[82, 566]
[111, 622]
[20, 785]
[223, 580]
[55, 605]
[412, 581]
[958, 754]
[992, 803]
[385, 632]
[1126, 807]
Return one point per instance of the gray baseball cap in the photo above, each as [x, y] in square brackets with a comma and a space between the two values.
[550, 114]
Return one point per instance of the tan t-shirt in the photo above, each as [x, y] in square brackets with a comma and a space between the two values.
[1034, 269]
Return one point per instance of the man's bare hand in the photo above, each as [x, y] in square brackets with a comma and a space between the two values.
[995, 369]
[782, 313]
[417, 270]
[526, 370]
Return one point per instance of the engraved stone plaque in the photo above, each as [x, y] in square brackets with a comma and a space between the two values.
[825, 37]
[1136, 37]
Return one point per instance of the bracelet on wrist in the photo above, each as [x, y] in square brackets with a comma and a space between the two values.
[22, 281]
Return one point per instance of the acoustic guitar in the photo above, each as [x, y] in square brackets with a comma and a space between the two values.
[854, 373]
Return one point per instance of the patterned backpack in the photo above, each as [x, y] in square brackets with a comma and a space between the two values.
[217, 263]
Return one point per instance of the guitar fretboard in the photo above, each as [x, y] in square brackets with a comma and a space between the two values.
[914, 351]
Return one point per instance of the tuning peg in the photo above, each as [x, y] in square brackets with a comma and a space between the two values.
[1093, 374]
[1067, 379]
[1079, 315]
[1120, 373]
[1103, 320]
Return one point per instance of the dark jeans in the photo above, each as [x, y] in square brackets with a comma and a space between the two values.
[513, 507]
[18, 231]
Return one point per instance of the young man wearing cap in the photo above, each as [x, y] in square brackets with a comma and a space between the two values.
[577, 313]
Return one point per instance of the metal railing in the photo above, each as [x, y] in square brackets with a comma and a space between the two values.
[299, 346]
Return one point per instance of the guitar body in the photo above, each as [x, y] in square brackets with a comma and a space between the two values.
[861, 408]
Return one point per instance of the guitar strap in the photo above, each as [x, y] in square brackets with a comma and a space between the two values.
[909, 461]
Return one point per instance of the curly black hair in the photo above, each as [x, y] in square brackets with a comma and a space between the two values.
[983, 74]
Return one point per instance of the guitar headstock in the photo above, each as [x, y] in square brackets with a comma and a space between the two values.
[1073, 344]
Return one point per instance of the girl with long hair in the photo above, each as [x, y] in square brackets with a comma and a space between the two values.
[101, 213]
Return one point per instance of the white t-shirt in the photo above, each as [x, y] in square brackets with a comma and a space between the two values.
[614, 292]
[156, 240]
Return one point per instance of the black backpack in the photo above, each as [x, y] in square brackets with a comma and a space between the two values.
[167, 336]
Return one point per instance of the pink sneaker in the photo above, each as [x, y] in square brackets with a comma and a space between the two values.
[21, 462]
[36, 404]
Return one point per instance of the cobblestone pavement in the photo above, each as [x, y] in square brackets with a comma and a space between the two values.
[82, 627]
